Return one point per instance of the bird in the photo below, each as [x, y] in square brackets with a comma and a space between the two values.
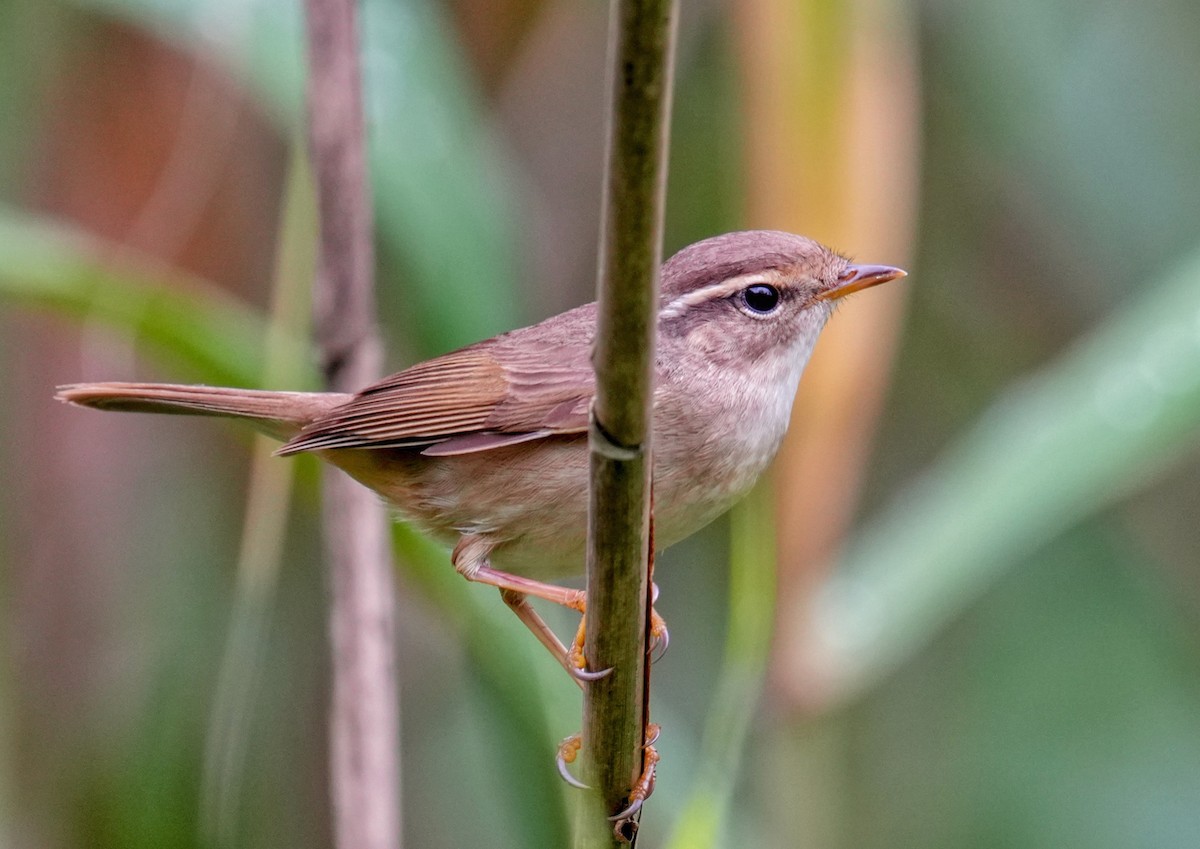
[485, 447]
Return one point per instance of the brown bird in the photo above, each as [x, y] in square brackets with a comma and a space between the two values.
[486, 447]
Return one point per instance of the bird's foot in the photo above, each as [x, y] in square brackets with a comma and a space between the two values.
[568, 752]
[644, 786]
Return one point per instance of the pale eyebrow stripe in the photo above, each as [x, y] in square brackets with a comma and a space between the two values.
[723, 289]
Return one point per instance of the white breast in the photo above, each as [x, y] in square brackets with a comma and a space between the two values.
[714, 439]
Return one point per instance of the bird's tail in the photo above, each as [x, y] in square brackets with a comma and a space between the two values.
[279, 414]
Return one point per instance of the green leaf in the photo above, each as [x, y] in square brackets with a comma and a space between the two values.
[217, 337]
[1059, 714]
[1058, 446]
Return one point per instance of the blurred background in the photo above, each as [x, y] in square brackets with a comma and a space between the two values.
[964, 612]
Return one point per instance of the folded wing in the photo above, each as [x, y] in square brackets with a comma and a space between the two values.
[498, 392]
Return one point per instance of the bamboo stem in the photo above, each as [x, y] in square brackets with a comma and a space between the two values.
[641, 52]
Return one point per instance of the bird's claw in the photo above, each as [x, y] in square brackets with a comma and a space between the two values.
[576, 663]
[660, 637]
[629, 811]
[653, 732]
[568, 750]
[584, 674]
[644, 786]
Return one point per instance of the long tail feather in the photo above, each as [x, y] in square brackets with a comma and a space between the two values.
[280, 414]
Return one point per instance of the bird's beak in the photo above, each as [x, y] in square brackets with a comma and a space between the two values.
[858, 277]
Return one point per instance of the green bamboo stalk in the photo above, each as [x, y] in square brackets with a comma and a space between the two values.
[641, 48]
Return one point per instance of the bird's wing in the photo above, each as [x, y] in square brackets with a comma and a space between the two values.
[494, 393]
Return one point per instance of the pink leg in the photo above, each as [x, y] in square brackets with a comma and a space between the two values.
[514, 589]
[519, 605]
[567, 597]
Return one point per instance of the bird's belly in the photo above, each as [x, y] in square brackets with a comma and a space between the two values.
[683, 504]
[553, 546]
[529, 501]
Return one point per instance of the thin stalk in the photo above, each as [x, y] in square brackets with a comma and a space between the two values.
[364, 724]
[641, 53]
[704, 821]
[265, 526]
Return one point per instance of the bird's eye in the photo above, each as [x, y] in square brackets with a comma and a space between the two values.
[760, 298]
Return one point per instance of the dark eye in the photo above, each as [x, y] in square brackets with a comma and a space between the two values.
[761, 298]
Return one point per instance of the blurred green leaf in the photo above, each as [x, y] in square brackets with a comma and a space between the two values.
[443, 204]
[49, 264]
[1059, 714]
[1090, 109]
[1054, 448]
